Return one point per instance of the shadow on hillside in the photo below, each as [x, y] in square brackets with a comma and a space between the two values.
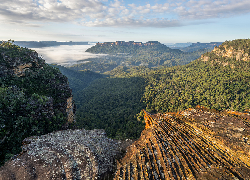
[112, 104]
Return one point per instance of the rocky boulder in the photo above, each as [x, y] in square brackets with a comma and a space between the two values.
[68, 154]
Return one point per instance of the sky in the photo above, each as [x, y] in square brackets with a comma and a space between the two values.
[166, 21]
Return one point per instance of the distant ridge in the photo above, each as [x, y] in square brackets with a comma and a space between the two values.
[129, 43]
[188, 47]
[38, 44]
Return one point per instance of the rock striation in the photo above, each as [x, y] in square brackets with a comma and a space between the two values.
[68, 154]
[192, 144]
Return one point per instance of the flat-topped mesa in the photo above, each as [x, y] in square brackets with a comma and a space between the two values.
[129, 43]
[183, 146]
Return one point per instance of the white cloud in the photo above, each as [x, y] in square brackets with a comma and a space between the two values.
[115, 13]
[132, 22]
[115, 4]
[125, 12]
[160, 8]
[205, 9]
[145, 11]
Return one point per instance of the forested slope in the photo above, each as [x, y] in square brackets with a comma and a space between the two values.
[78, 80]
[219, 79]
[34, 98]
[112, 104]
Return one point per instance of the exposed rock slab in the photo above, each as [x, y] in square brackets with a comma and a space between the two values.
[192, 144]
[69, 154]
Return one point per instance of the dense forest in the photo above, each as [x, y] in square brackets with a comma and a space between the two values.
[216, 80]
[112, 104]
[32, 98]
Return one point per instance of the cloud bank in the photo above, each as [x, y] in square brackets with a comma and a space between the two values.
[104, 13]
[65, 55]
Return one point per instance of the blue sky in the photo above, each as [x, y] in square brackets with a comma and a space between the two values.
[167, 21]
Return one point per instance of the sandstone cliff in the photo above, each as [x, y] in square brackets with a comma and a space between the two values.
[229, 52]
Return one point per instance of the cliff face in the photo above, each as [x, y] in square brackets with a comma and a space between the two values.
[238, 50]
[70, 109]
[229, 51]
[192, 144]
[68, 154]
[35, 98]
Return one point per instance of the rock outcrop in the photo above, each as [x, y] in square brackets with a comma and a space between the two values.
[236, 50]
[71, 110]
[68, 154]
[192, 144]
[231, 52]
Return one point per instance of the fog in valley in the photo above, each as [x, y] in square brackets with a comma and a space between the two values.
[65, 55]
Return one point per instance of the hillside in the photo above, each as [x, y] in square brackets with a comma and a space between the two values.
[218, 80]
[78, 80]
[112, 104]
[35, 98]
[214, 80]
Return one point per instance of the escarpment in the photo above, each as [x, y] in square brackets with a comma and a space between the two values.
[68, 154]
[193, 144]
[231, 52]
